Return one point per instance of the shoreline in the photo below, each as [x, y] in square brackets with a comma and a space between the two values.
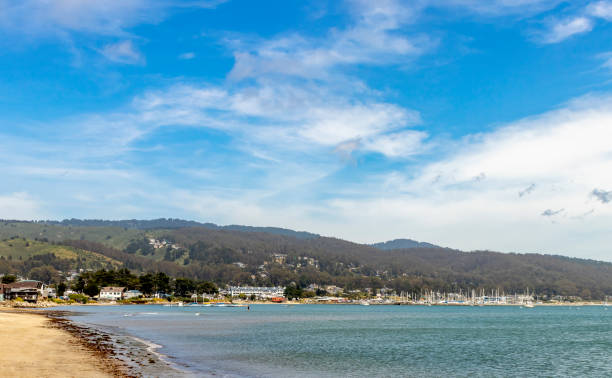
[100, 353]
[132, 356]
[41, 344]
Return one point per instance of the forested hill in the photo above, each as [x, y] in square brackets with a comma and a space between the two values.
[403, 244]
[227, 256]
[172, 223]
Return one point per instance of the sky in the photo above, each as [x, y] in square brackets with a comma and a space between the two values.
[469, 124]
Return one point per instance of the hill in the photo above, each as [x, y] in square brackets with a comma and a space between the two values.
[402, 244]
[227, 256]
[46, 261]
[170, 223]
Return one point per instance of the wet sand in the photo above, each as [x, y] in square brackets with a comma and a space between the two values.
[36, 346]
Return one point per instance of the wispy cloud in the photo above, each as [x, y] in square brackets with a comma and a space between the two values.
[374, 37]
[20, 205]
[123, 52]
[187, 56]
[600, 9]
[561, 29]
[82, 24]
[43, 19]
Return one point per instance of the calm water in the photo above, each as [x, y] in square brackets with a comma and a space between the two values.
[342, 340]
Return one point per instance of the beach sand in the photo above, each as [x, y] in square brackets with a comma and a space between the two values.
[32, 347]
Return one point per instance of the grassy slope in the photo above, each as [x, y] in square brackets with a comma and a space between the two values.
[115, 237]
[24, 249]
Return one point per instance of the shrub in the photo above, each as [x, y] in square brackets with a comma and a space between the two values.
[80, 298]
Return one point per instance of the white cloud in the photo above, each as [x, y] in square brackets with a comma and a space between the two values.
[20, 205]
[600, 9]
[50, 18]
[123, 52]
[374, 37]
[559, 30]
[276, 115]
[187, 56]
[44, 18]
[401, 144]
[565, 153]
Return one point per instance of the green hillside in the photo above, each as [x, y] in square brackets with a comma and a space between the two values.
[226, 256]
[116, 237]
[48, 262]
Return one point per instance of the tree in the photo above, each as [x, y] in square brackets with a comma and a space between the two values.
[208, 287]
[9, 278]
[79, 285]
[183, 286]
[293, 292]
[92, 290]
[161, 282]
[146, 283]
[44, 273]
[61, 289]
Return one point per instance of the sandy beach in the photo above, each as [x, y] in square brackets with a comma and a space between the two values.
[32, 347]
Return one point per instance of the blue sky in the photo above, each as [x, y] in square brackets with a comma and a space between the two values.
[470, 124]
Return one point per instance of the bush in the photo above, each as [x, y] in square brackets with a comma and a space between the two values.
[80, 298]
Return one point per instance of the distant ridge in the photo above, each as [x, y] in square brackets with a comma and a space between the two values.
[175, 223]
[402, 244]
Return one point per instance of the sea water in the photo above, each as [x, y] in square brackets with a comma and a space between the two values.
[372, 341]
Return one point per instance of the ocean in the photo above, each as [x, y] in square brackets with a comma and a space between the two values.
[368, 341]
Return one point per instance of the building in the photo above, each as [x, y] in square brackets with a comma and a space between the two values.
[28, 290]
[280, 258]
[49, 292]
[132, 294]
[112, 293]
[259, 292]
[332, 289]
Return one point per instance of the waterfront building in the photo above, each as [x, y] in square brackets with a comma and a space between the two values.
[112, 293]
[259, 292]
[28, 290]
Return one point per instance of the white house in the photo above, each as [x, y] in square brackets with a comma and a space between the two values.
[112, 293]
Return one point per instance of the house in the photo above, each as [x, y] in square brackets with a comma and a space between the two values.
[132, 294]
[28, 290]
[332, 289]
[112, 293]
[49, 292]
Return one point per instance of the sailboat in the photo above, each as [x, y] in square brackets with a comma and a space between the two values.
[529, 303]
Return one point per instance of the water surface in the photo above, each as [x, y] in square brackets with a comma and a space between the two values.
[374, 341]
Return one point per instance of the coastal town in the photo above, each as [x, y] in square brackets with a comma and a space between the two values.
[14, 291]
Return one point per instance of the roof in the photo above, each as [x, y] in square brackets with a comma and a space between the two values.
[26, 284]
[113, 288]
